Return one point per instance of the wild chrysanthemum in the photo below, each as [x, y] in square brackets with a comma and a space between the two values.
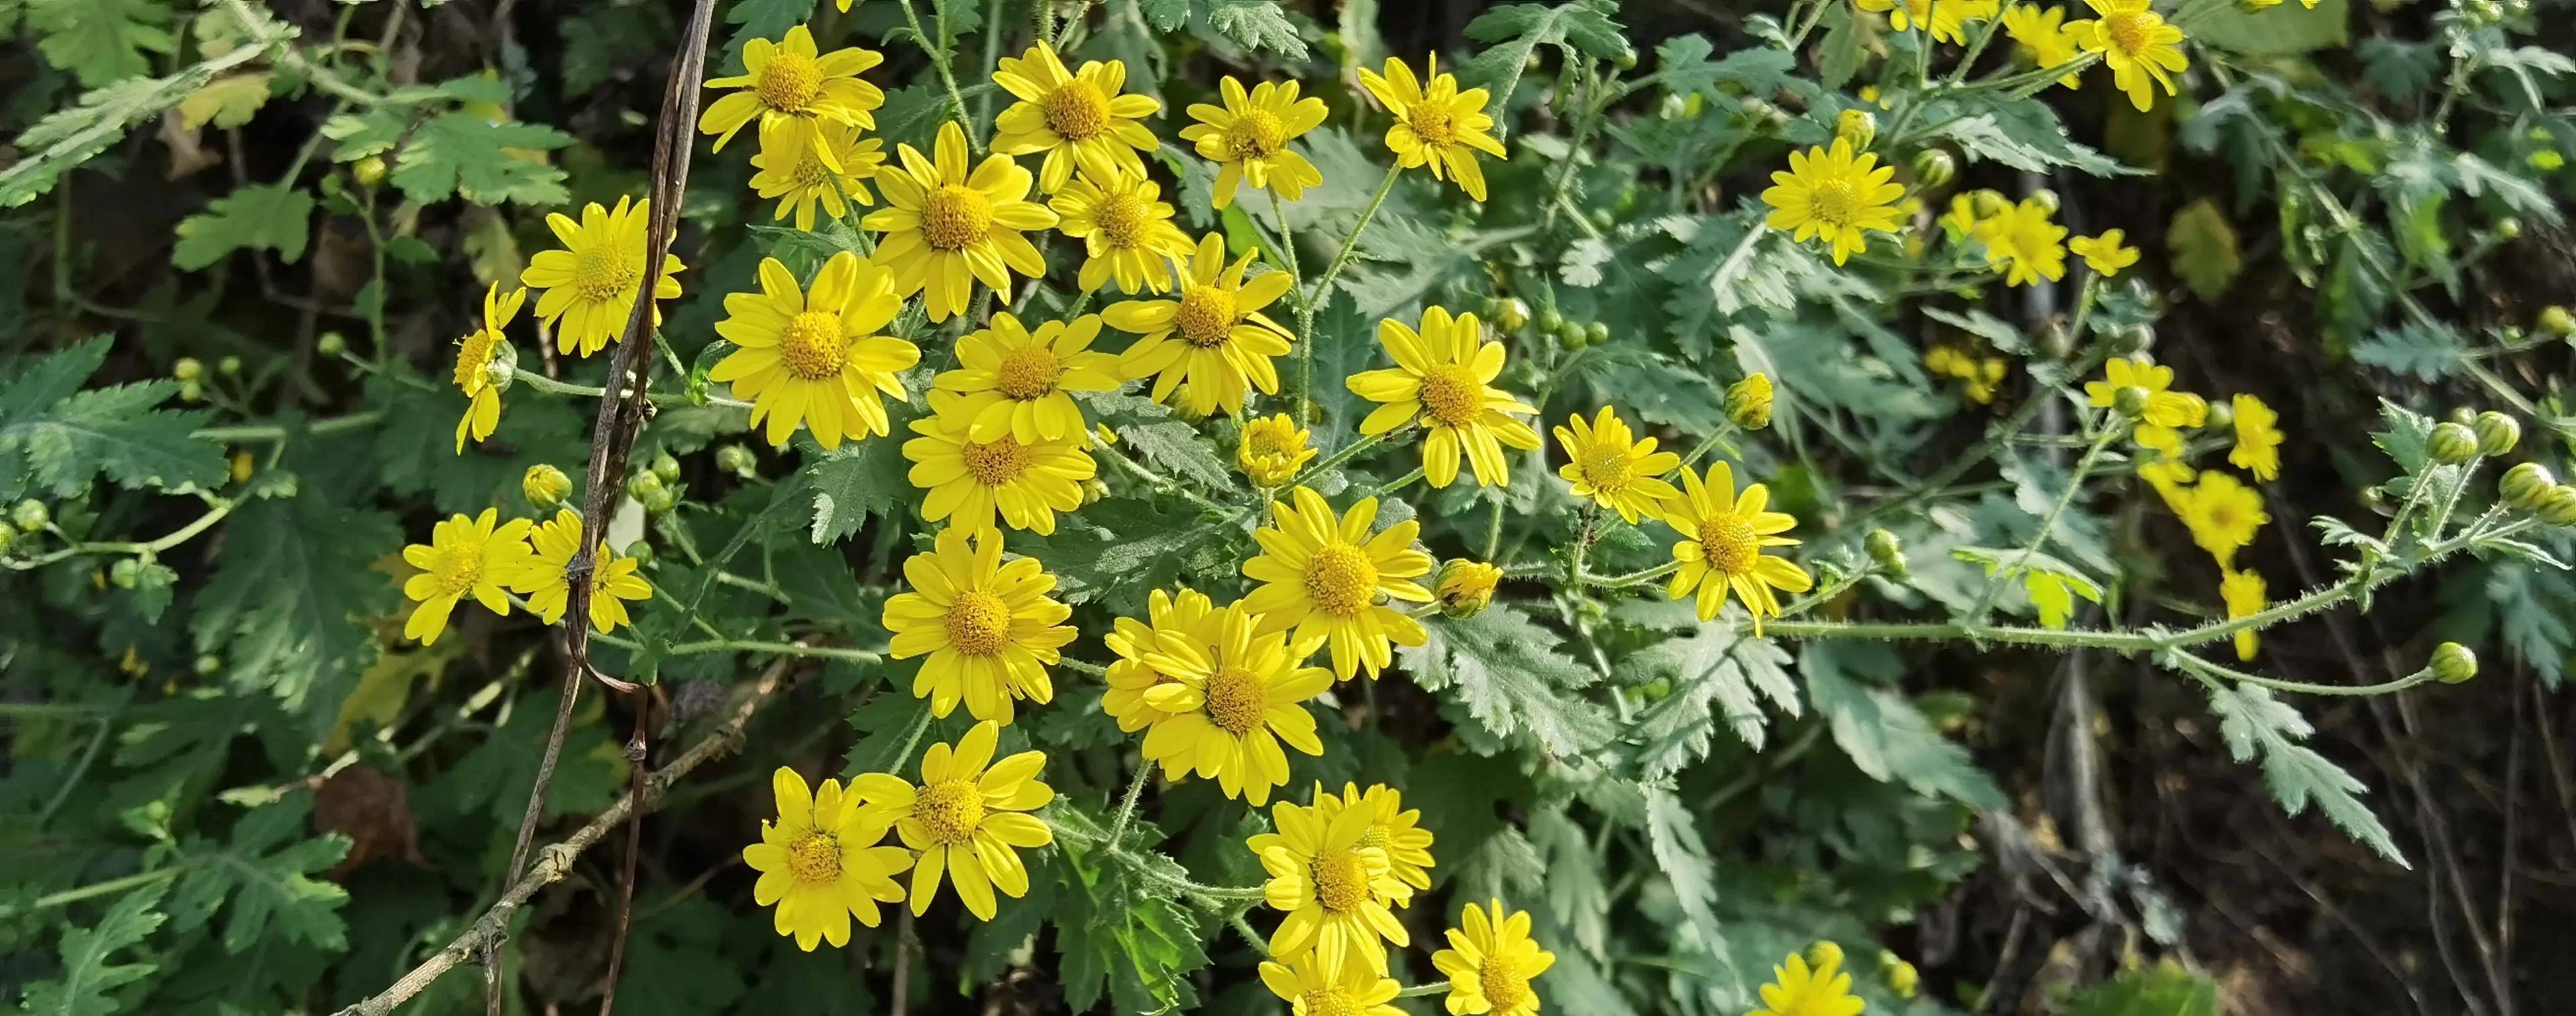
[968, 819]
[1723, 534]
[1231, 697]
[813, 357]
[477, 356]
[798, 170]
[1333, 887]
[1075, 117]
[2243, 593]
[2136, 43]
[1248, 138]
[2041, 34]
[548, 585]
[2105, 254]
[1443, 376]
[2024, 243]
[1834, 194]
[464, 557]
[1490, 962]
[789, 80]
[1948, 18]
[1126, 230]
[946, 229]
[1436, 126]
[1466, 587]
[1312, 989]
[988, 626]
[1606, 462]
[1324, 576]
[1026, 482]
[1392, 827]
[2165, 408]
[1189, 613]
[1795, 990]
[1015, 382]
[2223, 515]
[2258, 438]
[1272, 450]
[821, 862]
[592, 283]
[1212, 335]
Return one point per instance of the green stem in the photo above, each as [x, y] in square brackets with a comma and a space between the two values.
[1161, 484]
[94, 889]
[219, 508]
[1350, 245]
[1421, 990]
[551, 386]
[939, 62]
[2196, 665]
[1978, 47]
[1711, 441]
[1127, 804]
[1337, 458]
[1631, 579]
[1284, 242]
[1399, 483]
[2047, 526]
[272, 432]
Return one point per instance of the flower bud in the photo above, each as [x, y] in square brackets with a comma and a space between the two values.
[1272, 450]
[1596, 333]
[187, 369]
[2044, 198]
[125, 572]
[229, 366]
[738, 460]
[1857, 127]
[1095, 490]
[2558, 321]
[2453, 663]
[2452, 442]
[1550, 321]
[1934, 168]
[2558, 507]
[209, 664]
[1466, 586]
[1823, 956]
[1901, 976]
[545, 486]
[2525, 486]
[2138, 339]
[369, 171]
[2509, 228]
[8, 538]
[332, 345]
[191, 391]
[1888, 552]
[1748, 402]
[2497, 433]
[30, 515]
[2131, 401]
[641, 552]
[2221, 416]
[241, 465]
[666, 467]
[1510, 314]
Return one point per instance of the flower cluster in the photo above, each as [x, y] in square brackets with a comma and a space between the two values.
[486, 559]
[2222, 512]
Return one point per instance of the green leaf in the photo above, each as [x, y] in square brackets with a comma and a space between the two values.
[415, 448]
[1518, 30]
[1713, 673]
[1683, 859]
[261, 875]
[256, 217]
[2412, 348]
[2203, 246]
[2022, 133]
[1883, 733]
[1123, 933]
[100, 41]
[1683, 65]
[57, 438]
[463, 154]
[1256, 25]
[761, 19]
[2254, 723]
[2399, 70]
[1116, 551]
[290, 577]
[674, 966]
[1513, 678]
[87, 975]
[491, 783]
[2404, 439]
[2165, 989]
[860, 479]
[1166, 442]
[2283, 30]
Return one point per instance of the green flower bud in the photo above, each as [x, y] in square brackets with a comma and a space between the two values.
[2220, 416]
[8, 539]
[125, 572]
[1901, 976]
[1511, 315]
[2138, 339]
[2453, 663]
[2509, 228]
[1550, 321]
[2045, 198]
[1627, 59]
[2497, 433]
[209, 664]
[187, 369]
[666, 467]
[2525, 486]
[1857, 127]
[1934, 168]
[332, 345]
[30, 516]
[191, 391]
[369, 171]
[1748, 402]
[2452, 442]
[641, 551]
[1888, 552]
[646, 485]
[1596, 333]
[545, 486]
[738, 460]
[229, 366]
[2558, 321]
[2131, 401]
[2558, 507]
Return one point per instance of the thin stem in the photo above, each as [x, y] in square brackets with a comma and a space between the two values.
[1399, 483]
[2195, 664]
[939, 62]
[1127, 805]
[1421, 990]
[1339, 457]
[1350, 245]
[2047, 526]
[1287, 246]
[96, 889]
[1711, 441]
[550, 386]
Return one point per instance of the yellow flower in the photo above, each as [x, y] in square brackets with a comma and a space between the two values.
[968, 820]
[1948, 18]
[1230, 696]
[591, 284]
[464, 557]
[1248, 138]
[1015, 382]
[1272, 450]
[969, 480]
[814, 357]
[988, 626]
[2258, 439]
[1325, 576]
[821, 862]
[1075, 117]
[946, 229]
[2137, 44]
[1605, 462]
[2105, 254]
[1443, 376]
[476, 357]
[548, 586]
[1224, 342]
[1313, 989]
[2223, 515]
[1797, 991]
[1980, 375]
[1332, 885]
[1723, 534]
[2164, 408]
[1748, 402]
[786, 81]
[1125, 228]
[800, 172]
[1466, 587]
[2021, 241]
[1490, 961]
[1190, 614]
[1438, 126]
[1834, 194]
[2243, 593]
[1392, 827]
[2042, 35]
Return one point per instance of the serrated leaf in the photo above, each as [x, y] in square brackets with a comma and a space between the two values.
[2256, 724]
[2404, 439]
[2022, 133]
[1149, 431]
[57, 438]
[2161, 990]
[100, 41]
[2203, 248]
[225, 102]
[463, 154]
[673, 965]
[291, 576]
[491, 783]
[261, 876]
[2412, 348]
[1682, 858]
[87, 953]
[860, 479]
[761, 19]
[256, 217]
[1256, 25]
[2281, 31]
[1885, 735]
[1512, 677]
[1714, 674]
[1518, 30]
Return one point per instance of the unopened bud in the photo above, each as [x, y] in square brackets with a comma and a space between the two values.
[1466, 586]
[641, 552]
[30, 515]
[1888, 552]
[545, 486]
[1934, 168]
[187, 369]
[2220, 416]
[738, 460]
[2452, 442]
[1857, 127]
[2497, 433]
[2453, 663]
[2525, 486]
[1511, 314]
[2558, 507]
[1748, 402]
[125, 572]
[332, 345]
[2558, 321]
[666, 467]
[369, 171]
[1824, 955]
[230, 366]
[1901, 976]
[2130, 400]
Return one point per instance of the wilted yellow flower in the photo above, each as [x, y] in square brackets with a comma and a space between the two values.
[1125, 228]
[1723, 534]
[1075, 117]
[787, 80]
[2024, 243]
[1443, 377]
[2138, 46]
[1212, 335]
[1465, 587]
[945, 230]
[968, 819]
[1607, 463]
[1026, 482]
[592, 283]
[821, 862]
[477, 355]
[2243, 593]
[2258, 439]
[1323, 575]
[2105, 254]
[1490, 962]
[1272, 451]
[1836, 195]
[1230, 698]
[547, 582]
[1248, 138]
[815, 358]
[1312, 989]
[1796, 990]
[1333, 885]
[2223, 515]
[1017, 382]
[799, 171]
[988, 626]
[1436, 126]
[2041, 34]
[464, 557]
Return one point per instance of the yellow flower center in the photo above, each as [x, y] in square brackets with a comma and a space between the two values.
[1263, 442]
[603, 273]
[1341, 879]
[2127, 31]
[955, 217]
[1501, 978]
[950, 810]
[1120, 218]
[473, 353]
[1028, 372]
[1728, 542]
[1256, 135]
[457, 569]
[979, 623]
[812, 346]
[1452, 395]
[1329, 1001]
[1076, 110]
[815, 858]
[1834, 201]
[789, 83]
[1207, 315]
[994, 463]
[810, 173]
[1341, 580]
[1606, 468]
[1433, 123]
[2220, 516]
[1376, 836]
[1234, 700]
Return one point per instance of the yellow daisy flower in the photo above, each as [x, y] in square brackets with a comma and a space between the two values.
[1125, 228]
[1273, 449]
[1723, 534]
[789, 80]
[1948, 18]
[946, 229]
[1490, 961]
[2164, 408]
[2170, 478]
[988, 626]
[1795, 990]
[1248, 138]
[1607, 463]
[969, 820]
[2243, 593]
[1835, 194]
[1075, 117]
[2258, 438]
[799, 172]
[1312, 989]
[1231, 697]
[2024, 243]
[592, 283]
[1190, 614]
[1326, 577]
[2223, 514]
[547, 584]
[1333, 887]
[821, 862]
[464, 557]
[477, 357]
[2138, 46]
[1443, 376]
[1028, 482]
[1439, 126]
[1224, 342]
[1392, 827]
[2105, 254]
[1015, 382]
[2041, 35]
[813, 357]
